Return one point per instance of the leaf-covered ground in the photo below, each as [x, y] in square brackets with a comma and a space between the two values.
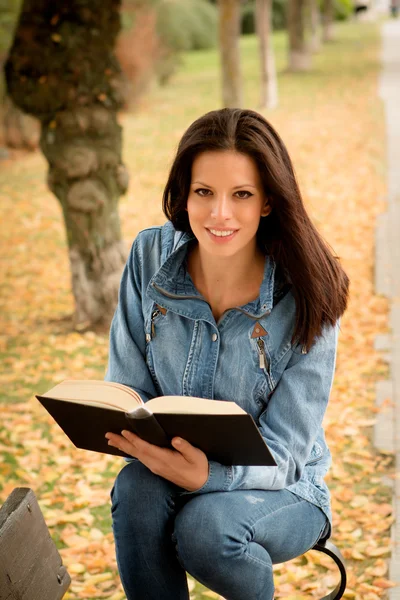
[332, 123]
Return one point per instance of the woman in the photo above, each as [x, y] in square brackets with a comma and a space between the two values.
[236, 297]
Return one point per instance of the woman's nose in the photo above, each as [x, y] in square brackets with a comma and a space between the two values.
[222, 208]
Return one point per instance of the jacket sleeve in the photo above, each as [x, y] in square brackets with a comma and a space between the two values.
[127, 351]
[290, 423]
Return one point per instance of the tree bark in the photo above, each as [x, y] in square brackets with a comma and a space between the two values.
[229, 34]
[269, 84]
[314, 20]
[299, 54]
[327, 20]
[61, 69]
[19, 129]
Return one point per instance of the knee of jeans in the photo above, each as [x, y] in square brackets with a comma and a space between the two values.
[202, 534]
[135, 486]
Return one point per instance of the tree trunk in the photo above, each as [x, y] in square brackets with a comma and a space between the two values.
[20, 130]
[327, 20]
[299, 55]
[61, 69]
[269, 85]
[16, 129]
[229, 34]
[314, 20]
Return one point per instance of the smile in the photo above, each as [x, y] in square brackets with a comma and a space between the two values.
[222, 233]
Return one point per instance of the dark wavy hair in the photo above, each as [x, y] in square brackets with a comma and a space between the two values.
[319, 283]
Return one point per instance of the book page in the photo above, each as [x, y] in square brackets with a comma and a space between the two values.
[194, 406]
[106, 394]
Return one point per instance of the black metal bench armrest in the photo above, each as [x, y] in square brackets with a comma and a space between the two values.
[331, 550]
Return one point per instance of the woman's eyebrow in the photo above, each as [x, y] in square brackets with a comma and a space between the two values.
[235, 188]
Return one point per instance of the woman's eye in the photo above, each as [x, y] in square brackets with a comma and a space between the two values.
[202, 192]
[243, 195]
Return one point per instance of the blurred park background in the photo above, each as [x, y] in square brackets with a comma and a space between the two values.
[109, 90]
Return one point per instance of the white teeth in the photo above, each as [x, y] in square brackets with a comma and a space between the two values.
[221, 233]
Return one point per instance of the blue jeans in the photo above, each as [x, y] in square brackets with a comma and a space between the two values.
[228, 541]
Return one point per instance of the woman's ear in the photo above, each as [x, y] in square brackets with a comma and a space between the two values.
[266, 209]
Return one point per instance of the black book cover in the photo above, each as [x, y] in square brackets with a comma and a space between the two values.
[228, 439]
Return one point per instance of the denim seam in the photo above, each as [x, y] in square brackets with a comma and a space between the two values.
[281, 355]
[191, 358]
[257, 560]
[213, 366]
[229, 478]
[151, 367]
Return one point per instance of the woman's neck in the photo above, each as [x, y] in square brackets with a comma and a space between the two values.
[227, 281]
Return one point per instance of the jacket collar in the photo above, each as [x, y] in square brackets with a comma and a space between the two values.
[171, 286]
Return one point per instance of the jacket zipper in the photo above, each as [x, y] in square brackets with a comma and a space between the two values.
[262, 355]
[154, 314]
[176, 295]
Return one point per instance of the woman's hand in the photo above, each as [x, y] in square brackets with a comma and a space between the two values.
[186, 466]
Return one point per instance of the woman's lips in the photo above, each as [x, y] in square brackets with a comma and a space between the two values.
[221, 239]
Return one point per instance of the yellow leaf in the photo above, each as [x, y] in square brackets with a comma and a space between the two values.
[96, 534]
[349, 593]
[93, 579]
[74, 541]
[357, 555]
[380, 568]
[377, 551]
[76, 568]
[384, 583]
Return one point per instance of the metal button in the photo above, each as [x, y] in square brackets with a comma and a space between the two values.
[214, 337]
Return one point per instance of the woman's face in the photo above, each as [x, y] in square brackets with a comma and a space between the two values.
[225, 203]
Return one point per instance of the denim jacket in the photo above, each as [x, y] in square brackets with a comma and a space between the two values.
[164, 340]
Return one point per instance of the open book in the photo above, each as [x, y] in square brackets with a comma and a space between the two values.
[86, 410]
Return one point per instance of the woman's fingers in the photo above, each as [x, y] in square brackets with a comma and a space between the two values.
[120, 442]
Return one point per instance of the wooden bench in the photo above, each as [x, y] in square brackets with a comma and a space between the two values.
[30, 566]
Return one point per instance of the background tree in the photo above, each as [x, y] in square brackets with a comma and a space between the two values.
[269, 85]
[154, 35]
[314, 25]
[229, 33]
[299, 53]
[328, 11]
[17, 130]
[61, 69]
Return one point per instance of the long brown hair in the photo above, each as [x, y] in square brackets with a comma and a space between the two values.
[319, 283]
